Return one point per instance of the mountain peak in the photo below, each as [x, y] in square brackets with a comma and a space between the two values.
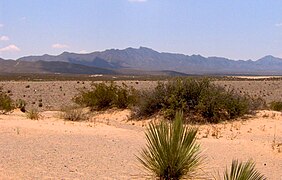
[269, 58]
[65, 53]
[140, 48]
[145, 48]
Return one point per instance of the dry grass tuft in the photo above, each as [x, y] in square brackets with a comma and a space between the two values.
[74, 114]
[33, 114]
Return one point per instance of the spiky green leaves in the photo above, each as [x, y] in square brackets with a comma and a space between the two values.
[171, 151]
[243, 171]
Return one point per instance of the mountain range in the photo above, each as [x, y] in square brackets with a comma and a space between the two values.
[140, 61]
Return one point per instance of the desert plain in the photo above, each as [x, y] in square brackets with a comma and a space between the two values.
[106, 146]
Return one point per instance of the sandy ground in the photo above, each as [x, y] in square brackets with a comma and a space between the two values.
[105, 147]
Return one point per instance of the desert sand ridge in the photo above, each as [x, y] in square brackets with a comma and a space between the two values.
[105, 147]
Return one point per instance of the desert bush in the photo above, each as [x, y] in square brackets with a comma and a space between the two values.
[276, 105]
[243, 171]
[257, 103]
[217, 104]
[100, 97]
[124, 96]
[33, 114]
[6, 103]
[196, 97]
[150, 101]
[74, 114]
[169, 97]
[21, 104]
[104, 96]
[171, 151]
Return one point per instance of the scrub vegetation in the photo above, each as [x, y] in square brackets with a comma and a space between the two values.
[6, 102]
[172, 153]
[200, 100]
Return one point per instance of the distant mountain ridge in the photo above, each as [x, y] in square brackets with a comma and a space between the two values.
[146, 59]
[11, 66]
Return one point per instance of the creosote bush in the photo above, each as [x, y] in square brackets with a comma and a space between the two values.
[276, 105]
[6, 103]
[199, 99]
[104, 96]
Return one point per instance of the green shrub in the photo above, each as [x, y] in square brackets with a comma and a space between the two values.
[124, 96]
[104, 96]
[276, 105]
[196, 98]
[6, 103]
[171, 151]
[169, 97]
[150, 101]
[217, 104]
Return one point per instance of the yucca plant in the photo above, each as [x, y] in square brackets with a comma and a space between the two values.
[243, 171]
[171, 152]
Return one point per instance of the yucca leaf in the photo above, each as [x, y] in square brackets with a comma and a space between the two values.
[243, 171]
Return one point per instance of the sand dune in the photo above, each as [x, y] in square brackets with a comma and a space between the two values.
[105, 147]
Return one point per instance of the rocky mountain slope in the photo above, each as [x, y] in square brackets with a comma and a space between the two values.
[146, 60]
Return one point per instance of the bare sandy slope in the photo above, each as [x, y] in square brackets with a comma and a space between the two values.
[105, 148]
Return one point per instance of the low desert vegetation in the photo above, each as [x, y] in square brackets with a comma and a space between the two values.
[172, 153]
[6, 103]
[74, 114]
[243, 171]
[33, 114]
[104, 96]
[276, 105]
[40, 104]
[21, 104]
[199, 99]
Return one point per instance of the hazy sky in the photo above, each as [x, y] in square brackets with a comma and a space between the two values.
[237, 29]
